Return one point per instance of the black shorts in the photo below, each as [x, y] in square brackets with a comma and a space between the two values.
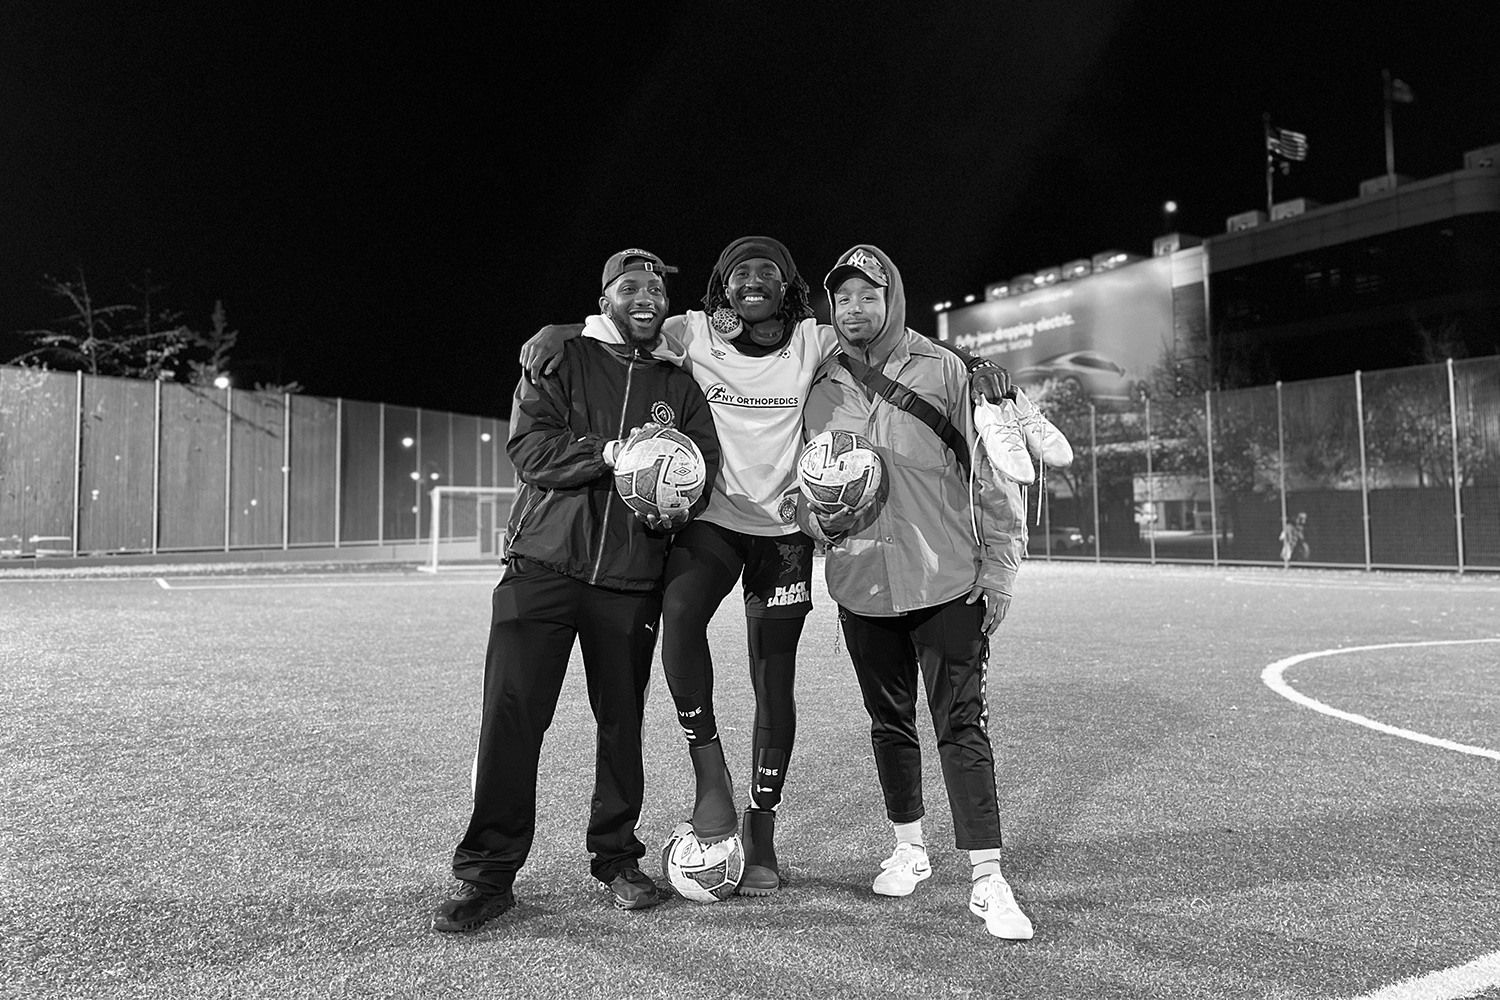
[776, 569]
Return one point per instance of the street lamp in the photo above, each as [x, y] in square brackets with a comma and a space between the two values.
[1168, 210]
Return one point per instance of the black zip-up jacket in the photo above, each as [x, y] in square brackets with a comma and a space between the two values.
[567, 515]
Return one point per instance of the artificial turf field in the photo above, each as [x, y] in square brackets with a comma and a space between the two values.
[250, 784]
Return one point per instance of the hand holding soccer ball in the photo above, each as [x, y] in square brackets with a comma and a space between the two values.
[840, 475]
[660, 474]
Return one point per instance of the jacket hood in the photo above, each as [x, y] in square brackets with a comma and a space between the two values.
[878, 349]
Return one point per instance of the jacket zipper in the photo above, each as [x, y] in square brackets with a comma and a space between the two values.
[609, 497]
[533, 503]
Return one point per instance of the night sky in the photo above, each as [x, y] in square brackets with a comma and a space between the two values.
[389, 203]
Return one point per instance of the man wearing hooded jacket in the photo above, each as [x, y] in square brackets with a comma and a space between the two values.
[922, 579]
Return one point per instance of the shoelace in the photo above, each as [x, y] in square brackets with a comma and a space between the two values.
[905, 856]
[993, 889]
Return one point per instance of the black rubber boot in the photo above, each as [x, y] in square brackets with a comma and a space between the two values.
[762, 875]
[713, 808]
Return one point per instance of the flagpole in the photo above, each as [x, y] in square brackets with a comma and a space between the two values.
[1390, 141]
[1270, 171]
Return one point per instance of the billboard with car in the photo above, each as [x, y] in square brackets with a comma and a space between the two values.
[1104, 331]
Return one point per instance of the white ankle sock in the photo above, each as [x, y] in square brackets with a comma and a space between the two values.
[985, 863]
[909, 833]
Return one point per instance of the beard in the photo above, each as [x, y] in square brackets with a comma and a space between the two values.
[635, 336]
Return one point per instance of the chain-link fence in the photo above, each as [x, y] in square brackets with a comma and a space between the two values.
[95, 465]
[1391, 469]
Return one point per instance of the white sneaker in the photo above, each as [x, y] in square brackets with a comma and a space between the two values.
[991, 899]
[999, 428]
[1042, 436]
[907, 866]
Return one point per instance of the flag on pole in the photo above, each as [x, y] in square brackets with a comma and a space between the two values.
[1287, 144]
[1401, 93]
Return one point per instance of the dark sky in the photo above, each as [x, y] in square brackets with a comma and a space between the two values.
[389, 203]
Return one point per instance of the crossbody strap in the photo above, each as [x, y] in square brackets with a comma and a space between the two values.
[904, 398]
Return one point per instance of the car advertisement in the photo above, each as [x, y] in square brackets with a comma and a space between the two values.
[1104, 332]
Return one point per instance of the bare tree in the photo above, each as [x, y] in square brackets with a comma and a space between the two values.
[87, 338]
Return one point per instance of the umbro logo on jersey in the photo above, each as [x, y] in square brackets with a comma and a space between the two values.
[716, 352]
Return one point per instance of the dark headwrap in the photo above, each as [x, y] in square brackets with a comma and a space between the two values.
[796, 305]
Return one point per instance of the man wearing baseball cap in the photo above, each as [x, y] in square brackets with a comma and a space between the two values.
[923, 578]
[580, 565]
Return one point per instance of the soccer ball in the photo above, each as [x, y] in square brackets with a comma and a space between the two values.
[702, 873]
[839, 473]
[660, 473]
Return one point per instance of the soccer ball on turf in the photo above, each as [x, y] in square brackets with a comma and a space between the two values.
[660, 473]
[839, 473]
[705, 873]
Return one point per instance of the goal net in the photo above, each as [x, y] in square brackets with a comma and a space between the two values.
[467, 513]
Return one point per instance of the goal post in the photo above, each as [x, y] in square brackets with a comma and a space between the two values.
[492, 498]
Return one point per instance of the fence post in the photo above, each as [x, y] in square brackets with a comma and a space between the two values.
[156, 472]
[380, 484]
[1094, 460]
[1281, 454]
[1364, 476]
[416, 475]
[77, 461]
[228, 461]
[1458, 496]
[338, 471]
[1213, 490]
[1150, 486]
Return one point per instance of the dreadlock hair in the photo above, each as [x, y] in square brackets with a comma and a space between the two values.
[796, 299]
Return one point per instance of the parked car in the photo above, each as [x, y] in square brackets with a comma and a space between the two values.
[1059, 540]
[1095, 374]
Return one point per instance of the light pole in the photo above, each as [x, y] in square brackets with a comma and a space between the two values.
[1168, 215]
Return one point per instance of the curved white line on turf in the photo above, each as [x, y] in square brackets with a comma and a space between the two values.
[1446, 984]
[1271, 677]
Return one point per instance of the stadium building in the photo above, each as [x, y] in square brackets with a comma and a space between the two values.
[1406, 273]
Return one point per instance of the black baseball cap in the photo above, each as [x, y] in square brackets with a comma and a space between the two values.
[632, 260]
[858, 263]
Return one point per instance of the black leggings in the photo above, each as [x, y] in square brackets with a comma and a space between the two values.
[702, 568]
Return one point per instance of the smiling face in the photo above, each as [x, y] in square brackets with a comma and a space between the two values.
[755, 288]
[859, 310]
[637, 303]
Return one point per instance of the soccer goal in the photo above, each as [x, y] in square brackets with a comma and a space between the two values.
[470, 512]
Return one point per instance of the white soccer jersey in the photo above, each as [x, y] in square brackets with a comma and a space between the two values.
[757, 407]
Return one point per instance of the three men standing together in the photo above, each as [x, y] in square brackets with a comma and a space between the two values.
[922, 580]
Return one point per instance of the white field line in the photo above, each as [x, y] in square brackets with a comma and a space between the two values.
[1272, 678]
[422, 581]
[1464, 980]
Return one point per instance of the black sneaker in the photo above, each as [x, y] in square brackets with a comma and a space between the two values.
[634, 890]
[470, 906]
